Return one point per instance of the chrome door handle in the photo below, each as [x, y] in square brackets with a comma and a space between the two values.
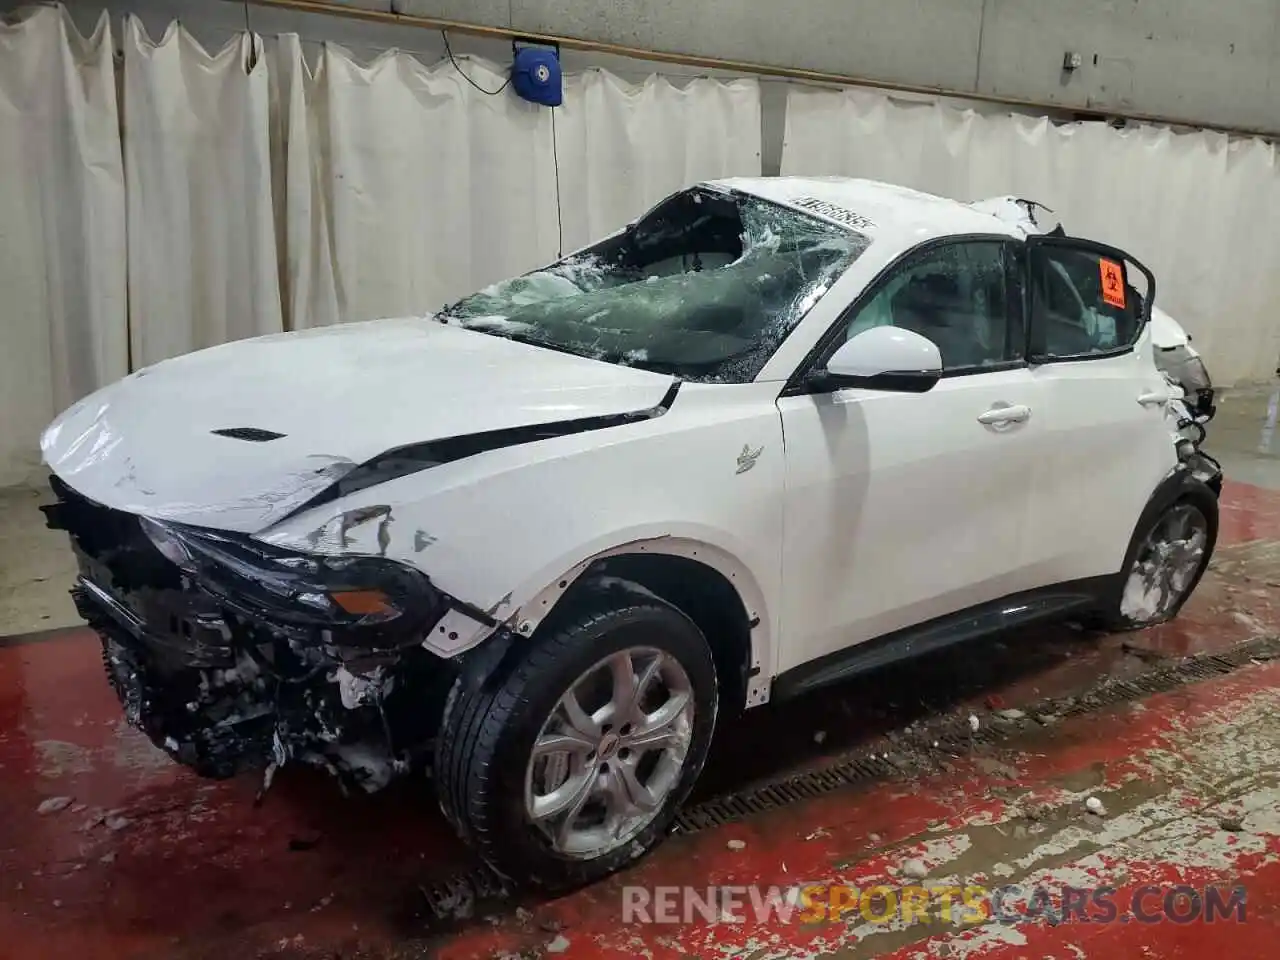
[1011, 414]
[1153, 399]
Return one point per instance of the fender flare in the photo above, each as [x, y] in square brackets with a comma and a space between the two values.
[465, 633]
[525, 620]
[1180, 483]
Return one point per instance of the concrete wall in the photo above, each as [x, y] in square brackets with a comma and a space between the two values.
[214, 22]
[1200, 61]
[1210, 62]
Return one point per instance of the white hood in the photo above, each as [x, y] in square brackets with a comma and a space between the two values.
[339, 395]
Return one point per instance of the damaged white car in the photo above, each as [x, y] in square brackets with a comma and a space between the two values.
[774, 433]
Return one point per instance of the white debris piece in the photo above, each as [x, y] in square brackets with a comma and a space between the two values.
[819, 736]
[1094, 806]
[356, 691]
[974, 722]
[559, 945]
[915, 870]
[54, 805]
[736, 845]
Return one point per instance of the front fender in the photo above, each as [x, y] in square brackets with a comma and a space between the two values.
[502, 530]
[529, 612]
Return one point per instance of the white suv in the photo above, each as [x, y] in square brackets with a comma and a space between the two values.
[774, 433]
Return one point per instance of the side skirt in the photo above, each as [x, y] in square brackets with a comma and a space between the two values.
[1050, 603]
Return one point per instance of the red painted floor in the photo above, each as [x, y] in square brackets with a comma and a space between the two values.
[145, 860]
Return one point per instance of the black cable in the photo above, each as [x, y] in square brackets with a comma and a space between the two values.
[555, 151]
[555, 156]
[487, 93]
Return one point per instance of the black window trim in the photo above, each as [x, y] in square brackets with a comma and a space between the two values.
[1089, 246]
[795, 385]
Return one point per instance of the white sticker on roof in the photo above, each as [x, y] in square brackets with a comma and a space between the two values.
[834, 212]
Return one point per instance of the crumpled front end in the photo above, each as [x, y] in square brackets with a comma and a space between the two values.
[232, 656]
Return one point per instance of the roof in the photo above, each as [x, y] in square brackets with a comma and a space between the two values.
[879, 210]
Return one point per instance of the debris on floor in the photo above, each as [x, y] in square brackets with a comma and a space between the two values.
[915, 870]
[54, 805]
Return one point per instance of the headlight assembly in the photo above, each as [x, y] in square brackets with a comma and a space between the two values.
[375, 600]
[1184, 368]
[1195, 375]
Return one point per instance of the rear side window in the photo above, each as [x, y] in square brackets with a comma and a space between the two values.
[1083, 304]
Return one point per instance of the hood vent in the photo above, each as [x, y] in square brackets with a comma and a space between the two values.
[251, 434]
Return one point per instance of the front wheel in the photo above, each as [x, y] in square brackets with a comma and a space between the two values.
[1165, 562]
[573, 761]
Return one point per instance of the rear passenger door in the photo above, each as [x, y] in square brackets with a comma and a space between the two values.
[1104, 406]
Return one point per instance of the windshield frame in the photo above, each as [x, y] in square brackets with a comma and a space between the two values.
[795, 236]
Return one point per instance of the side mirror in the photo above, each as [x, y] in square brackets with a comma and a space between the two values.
[883, 358]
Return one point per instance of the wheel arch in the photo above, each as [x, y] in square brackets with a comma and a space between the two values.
[706, 583]
[1179, 484]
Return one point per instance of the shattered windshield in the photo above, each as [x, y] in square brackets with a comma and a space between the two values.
[704, 287]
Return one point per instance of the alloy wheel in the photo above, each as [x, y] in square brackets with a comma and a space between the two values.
[610, 753]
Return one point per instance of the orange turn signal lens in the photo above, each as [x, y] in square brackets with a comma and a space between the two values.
[363, 602]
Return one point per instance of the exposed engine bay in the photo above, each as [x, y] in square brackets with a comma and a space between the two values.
[227, 671]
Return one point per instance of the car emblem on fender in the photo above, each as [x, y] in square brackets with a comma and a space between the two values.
[748, 457]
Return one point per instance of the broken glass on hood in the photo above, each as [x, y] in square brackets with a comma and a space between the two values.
[704, 287]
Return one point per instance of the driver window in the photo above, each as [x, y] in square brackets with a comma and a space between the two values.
[955, 295]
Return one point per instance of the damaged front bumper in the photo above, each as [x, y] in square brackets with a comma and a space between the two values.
[222, 666]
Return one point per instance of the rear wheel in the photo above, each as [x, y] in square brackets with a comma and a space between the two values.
[1166, 560]
[572, 762]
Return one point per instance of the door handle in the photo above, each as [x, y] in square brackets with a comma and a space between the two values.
[1153, 399]
[1016, 413]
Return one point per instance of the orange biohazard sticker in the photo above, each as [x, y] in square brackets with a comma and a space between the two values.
[1112, 283]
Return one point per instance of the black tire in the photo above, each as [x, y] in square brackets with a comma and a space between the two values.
[487, 734]
[1120, 616]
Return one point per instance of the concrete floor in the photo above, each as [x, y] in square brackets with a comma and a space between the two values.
[141, 859]
[36, 567]
[1244, 436]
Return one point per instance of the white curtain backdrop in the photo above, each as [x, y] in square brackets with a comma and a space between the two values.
[623, 147]
[62, 228]
[407, 187]
[202, 249]
[1199, 209]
